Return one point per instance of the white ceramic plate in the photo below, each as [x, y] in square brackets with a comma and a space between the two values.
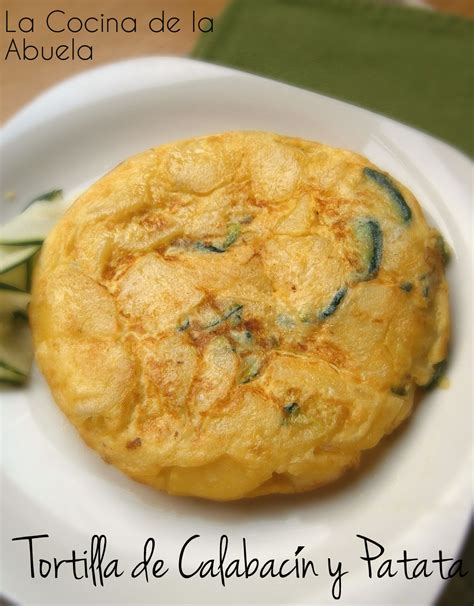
[413, 493]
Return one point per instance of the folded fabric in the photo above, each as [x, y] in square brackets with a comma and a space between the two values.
[411, 64]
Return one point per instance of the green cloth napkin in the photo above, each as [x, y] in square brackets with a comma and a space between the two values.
[411, 64]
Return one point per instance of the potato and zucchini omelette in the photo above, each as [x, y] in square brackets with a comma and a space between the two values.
[240, 314]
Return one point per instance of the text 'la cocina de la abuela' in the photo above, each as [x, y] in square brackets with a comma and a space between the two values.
[22, 28]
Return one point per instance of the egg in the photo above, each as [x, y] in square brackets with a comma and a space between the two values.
[240, 314]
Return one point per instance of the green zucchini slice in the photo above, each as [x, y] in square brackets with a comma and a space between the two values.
[20, 240]
[50, 195]
[16, 349]
[233, 233]
[311, 318]
[13, 256]
[13, 300]
[184, 325]
[370, 235]
[439, 370]
[334, 304]
[250, 370]
[443, 249]
[234, 314]
[7, 375]
[394, 193]
[33, 224]
[290, 412]
[17, 277]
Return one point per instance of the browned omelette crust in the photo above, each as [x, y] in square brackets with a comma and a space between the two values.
[182, 314]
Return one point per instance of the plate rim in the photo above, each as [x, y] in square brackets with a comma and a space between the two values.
[175, 69]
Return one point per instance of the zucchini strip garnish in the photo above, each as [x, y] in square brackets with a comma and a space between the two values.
[9, 375]
[50, 195]
[32, 225]
[396, 196]
[13, 256]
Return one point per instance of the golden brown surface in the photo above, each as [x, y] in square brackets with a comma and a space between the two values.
[185, 314]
